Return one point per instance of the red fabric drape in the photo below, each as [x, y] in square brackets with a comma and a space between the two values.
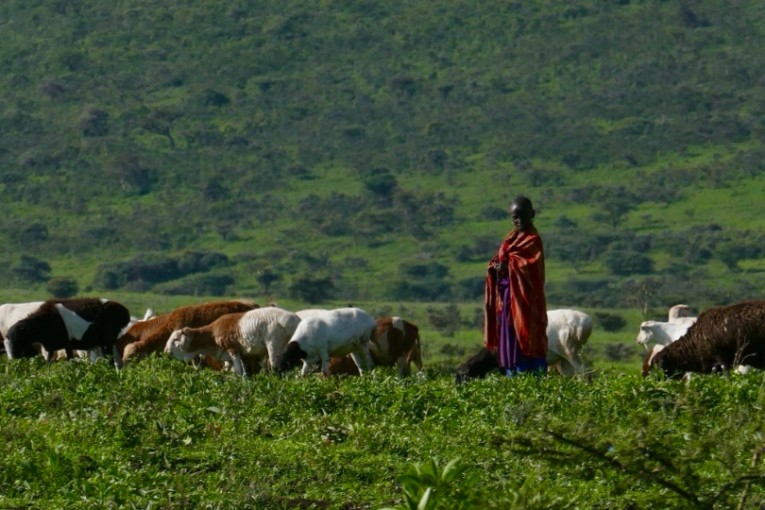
[523, 254]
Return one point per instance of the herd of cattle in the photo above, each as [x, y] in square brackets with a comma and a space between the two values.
[235, 334]
[243, 337]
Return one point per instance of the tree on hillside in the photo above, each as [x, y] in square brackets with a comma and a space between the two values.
[266, 278]
[63, 287]
[311, 290]
[31, 269]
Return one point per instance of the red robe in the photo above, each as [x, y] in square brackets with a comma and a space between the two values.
[523, 255]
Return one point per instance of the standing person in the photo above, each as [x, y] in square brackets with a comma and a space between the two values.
[515, 316]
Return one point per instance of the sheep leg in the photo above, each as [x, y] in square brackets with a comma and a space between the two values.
[306, 369]
[325, 363]
[272, 355]
[363, 359]
[239, 367]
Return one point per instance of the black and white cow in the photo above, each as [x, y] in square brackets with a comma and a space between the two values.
[69, 324]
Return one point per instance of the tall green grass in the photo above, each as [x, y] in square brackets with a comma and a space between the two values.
[160, 434]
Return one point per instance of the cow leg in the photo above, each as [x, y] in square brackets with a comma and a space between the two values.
[403, 365]
[117, 357]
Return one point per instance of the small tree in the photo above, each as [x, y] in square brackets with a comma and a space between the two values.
[266, 278]
[63, 287]
[31, 269]
[311, 290]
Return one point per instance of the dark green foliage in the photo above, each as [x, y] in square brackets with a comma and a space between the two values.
[217, 126]
[30, 234]
[30, 269]
[625, 263]
[620, 351]
[311, 289]
[381, 184]
[610, 321]
[470, 289]
[153, 268]
[197, 285]
[63, 287]
[267, 277]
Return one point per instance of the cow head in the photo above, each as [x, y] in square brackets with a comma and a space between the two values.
[477, 366]
[17, 343]
[290, 357]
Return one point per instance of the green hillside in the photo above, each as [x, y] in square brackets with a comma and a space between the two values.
[321, 151]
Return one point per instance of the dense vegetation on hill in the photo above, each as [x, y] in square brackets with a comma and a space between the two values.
[368, 151]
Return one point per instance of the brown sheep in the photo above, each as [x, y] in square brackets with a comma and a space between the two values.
[720, 339]
[150, 336]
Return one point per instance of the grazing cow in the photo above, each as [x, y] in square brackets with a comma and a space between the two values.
[397, 342]
[663, 333]
[567, 332]
[236, 336]
[150, 336]
[720, 339]
[11, 313]
[69, 324]
[333, 333]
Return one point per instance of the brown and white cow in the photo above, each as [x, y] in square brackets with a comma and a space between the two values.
[69, 324]
[397, 342]
[237, 337]
[146, 337]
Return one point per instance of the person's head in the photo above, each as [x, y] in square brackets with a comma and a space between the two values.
[522, 212]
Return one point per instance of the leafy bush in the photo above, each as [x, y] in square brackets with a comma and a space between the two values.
[311, 289]
[625, 263]
[63, 287]
[610, 321]
[31, 269]
[154, 268]
[197, 285]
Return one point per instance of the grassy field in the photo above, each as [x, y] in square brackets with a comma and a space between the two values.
[160, 434]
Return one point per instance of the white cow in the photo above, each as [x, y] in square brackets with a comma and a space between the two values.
[567, 332]
[255, 334]
[329, 334]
